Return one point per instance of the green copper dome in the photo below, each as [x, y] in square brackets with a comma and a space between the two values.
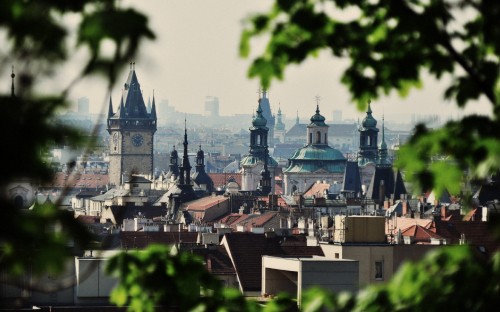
[315, 158]
[369, 121]
[317, 119]
[259, 120]
[312, 152]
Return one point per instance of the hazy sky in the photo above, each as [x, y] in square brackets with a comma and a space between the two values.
[196, 54]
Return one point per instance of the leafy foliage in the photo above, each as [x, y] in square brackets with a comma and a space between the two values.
[390, 45]
[37, 39]
[154, 278]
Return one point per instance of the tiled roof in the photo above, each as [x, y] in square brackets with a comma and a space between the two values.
[281, 201]
[258, 220]
[247, 249]
[216, 259]
[338, 130]
[297, 130]
[477, 233]
[79, 180]
[403, 223]
[317, 189]
[221, 179]
[129, 212]
[205, 202]
[419, 233]
[233, 219]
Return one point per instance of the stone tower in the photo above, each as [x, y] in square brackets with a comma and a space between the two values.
[131, 128]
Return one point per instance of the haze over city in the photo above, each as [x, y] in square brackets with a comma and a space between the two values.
[196, 55]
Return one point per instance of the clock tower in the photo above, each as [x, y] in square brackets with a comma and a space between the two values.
[131, 130]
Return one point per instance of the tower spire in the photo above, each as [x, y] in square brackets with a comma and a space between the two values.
[110, 108]
[185, 158]
[12, 93]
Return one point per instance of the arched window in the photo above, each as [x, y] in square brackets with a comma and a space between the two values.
[318, 137]
[310, 138]
[326, 138]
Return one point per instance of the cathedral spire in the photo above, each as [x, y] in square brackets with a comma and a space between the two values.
[122, 109]
[110, 107]
[382, 151]
[153, 107]
[12, 93]
[186, 166]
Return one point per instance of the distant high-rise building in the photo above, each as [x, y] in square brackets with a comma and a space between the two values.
[211, 106]
[83, 105]
[165, 112]
[337, 116]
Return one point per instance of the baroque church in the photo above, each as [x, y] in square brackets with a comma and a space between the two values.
[315, 161]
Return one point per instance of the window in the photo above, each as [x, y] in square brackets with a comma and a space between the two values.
[337, 256]
[379, 270]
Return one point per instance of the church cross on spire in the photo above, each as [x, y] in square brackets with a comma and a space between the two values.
[318, 99]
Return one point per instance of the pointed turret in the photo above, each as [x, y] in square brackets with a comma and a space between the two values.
[382, 151]
[12, 93]
[265, 178]
[122, 109]
[110, 108]
[368, 138]
[173, 170]
[257, 155]
[153, 108]
[265, 106]
[279, 123]
[186, 166]
[133, 101]
[200, 177]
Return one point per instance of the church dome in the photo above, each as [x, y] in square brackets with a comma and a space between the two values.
[259, 120]
[318, 119]
[318, 153]
[313, 158]
[369, 121]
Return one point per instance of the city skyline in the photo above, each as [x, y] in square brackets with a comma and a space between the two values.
[195, 55]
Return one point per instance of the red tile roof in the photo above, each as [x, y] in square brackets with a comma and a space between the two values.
[205, 202]
[419, 233]
[221, 179]
[476, 233]
[394, 225]
[317, 189]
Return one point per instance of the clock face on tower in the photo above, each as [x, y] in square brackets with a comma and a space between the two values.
[137, 139]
